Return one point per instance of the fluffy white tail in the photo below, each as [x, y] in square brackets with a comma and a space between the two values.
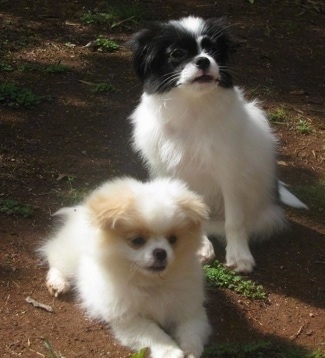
[288, 198]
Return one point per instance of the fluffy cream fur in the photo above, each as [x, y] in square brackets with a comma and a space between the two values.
[130, 250]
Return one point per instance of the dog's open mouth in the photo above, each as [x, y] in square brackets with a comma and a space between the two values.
[158, 267]
[204, 79]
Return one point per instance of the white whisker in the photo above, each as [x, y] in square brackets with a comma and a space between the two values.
[134, 267]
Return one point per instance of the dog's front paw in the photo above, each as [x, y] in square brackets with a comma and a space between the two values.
[240, 263]
[167, 353]
[56, 282]
[193, 353]
[193, 346]
[206, 251]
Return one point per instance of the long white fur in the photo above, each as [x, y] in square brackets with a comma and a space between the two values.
[222, 146]
[164, 312]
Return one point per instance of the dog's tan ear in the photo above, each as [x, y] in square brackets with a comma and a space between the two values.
[109, 209]
[194, 207]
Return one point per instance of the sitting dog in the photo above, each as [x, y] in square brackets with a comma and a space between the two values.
[193, 124]
[130, 249]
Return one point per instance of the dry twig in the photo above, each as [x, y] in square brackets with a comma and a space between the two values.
[39, 304]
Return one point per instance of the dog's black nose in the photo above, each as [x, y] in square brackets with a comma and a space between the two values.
[202, 63]
[159, 254]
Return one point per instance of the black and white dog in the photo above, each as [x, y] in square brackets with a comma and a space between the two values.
[193, 124]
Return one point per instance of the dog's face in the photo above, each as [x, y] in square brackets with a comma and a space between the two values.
[190, 54]
[148, 226]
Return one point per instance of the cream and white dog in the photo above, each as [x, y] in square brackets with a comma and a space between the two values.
[130, 250]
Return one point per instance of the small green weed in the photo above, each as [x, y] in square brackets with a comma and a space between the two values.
[219, 276]
[303, 127]
[12, 207]
[298, 123]
[278, 116]
[51, 353]
[28, 67]
[259, 90]
[143, 353]
[74, 196]
[104, 44]
[14, 96]
[51, 68]
[70, 195]
[55, 68]
[314, 195]
[5, 67]
[261, 349]
[103, 87]
[233, 350]
[113, 16]
[100, 18]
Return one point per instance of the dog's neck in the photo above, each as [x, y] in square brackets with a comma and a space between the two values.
[180, 105]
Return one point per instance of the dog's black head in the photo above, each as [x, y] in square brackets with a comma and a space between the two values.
[192, 53]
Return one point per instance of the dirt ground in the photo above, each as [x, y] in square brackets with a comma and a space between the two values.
[52, 154]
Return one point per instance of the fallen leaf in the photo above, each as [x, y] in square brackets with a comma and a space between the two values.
[282, 163]
[298, 92]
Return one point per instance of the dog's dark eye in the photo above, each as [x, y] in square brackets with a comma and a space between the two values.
[172, 239]
[206, 43]
[138, 241]
[178, 54]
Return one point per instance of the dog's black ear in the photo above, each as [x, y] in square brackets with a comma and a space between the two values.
[219, 31]
[143, 50]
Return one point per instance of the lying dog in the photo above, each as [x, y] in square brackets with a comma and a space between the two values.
[193, 124]
[131, 250]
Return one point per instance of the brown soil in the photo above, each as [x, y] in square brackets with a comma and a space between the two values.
[63, 147]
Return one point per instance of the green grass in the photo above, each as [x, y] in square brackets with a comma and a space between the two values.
[103, 87]
[13, 207]
[219, 276]
[6, 67]
[304, 127]
[52, 68]
[14, 96]
[50, 352]
[277, 116]
[259, 90]
[101, 18]
[55, 68]
[70, 195]
[261, 349]
[143, 353]
[297, 123]
[104, 44]
[113, 16]
[313, 195]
